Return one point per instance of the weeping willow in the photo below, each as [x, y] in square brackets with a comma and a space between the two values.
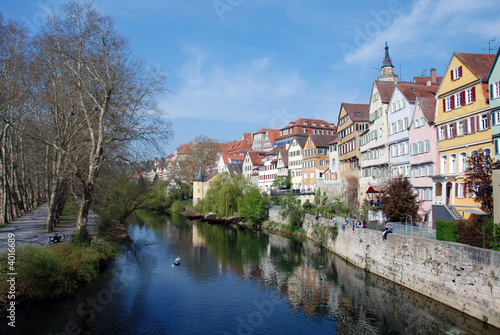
[224, 194]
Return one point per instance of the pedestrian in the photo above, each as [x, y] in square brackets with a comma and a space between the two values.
[364, 224]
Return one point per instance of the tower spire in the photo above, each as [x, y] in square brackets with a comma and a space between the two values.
[387, 70]
[387, 59]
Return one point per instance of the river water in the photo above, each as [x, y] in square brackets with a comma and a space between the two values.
[234, 280]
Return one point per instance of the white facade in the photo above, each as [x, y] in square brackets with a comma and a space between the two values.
[295, 162]
[399, 115]
[374, 144]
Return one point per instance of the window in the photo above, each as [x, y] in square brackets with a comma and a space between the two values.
[460, 190]
[456, 73]
[497, 145]
[460, 128]
[453, 163]
[484, 121]
[427, 145]
[495, 90]
[450, 131]
[470, 95]
[447, 104]
[496, 117]
[458, 102]
[444, 164]
[462, 162]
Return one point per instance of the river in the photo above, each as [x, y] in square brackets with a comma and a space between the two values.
[233, 280]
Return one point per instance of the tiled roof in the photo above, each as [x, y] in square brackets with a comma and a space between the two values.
[232, 158]
[480, 64]
[273, 134]
[412, 90]
[234, 168]
[284, 155]
[309, 123]
[256, 157]
[357, 112]
[248, 137]
[425, 80]
[428, 106]
[385, 89]
[301, 140]
[322, 141]
[236, 147]
[334, 141]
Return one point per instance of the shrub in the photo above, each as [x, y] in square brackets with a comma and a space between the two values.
[81, 237]
[446, 230]
[469, 232]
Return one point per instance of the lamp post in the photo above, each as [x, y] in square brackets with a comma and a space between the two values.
[406, 224]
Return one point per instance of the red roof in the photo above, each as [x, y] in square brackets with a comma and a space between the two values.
[256, 157]
[232, 158]
[357, 112]
[385, 89]
[479, 64]
[303, 122]
[236, 147]
[428, 106]
[413, 90]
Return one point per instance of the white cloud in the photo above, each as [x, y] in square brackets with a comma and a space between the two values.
[246, 92]
[431, 23]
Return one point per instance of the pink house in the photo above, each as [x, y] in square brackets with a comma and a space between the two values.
[424, 156]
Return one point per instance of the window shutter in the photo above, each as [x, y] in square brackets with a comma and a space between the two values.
[462, 98]
[488, 120]
[472, 125]
[456, 190]
[473, 90]
[460, 71]
[478, 123]
[455, 129]
[451, 75]
[444, 105]
[452, 102]
[491, 91]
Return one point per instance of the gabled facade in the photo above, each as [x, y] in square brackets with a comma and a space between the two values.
[251, 163]
[295, 150]
[399, 117]
[424, 155]
[330, 183]
[494, 88]
[261, 137]
[316, 160]
[374, 144]
[268, 170]
[463, 121]
[226, 159]
[282, 164]
[353, 121]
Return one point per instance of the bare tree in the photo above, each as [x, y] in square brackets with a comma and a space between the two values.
[112, 91]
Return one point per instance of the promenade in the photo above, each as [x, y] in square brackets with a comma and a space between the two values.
[30, 228]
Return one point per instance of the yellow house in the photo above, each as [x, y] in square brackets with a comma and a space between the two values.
[315, 160]
[463, 123]
[201, 185]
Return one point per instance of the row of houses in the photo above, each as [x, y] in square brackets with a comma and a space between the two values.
[425, 129]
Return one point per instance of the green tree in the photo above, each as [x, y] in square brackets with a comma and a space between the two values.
[224, 194]
[252, 205]
[290, 207]
[400, 200]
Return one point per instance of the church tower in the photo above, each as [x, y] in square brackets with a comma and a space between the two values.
[387, 70]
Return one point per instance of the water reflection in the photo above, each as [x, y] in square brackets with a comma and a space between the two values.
[238, 281]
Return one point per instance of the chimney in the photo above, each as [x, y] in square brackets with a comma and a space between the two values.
[433, 75]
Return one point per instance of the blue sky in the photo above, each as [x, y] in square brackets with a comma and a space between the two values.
[236, 66]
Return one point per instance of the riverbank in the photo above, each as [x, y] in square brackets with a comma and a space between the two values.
[460, 276]
[33, 269]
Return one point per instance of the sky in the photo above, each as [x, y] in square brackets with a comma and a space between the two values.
[236, 66]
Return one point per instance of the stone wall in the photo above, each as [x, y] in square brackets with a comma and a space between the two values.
[463, 277]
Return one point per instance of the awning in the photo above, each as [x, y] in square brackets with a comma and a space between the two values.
[474, 211]
[373, 189]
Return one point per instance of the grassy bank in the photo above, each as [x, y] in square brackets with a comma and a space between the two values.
[45, 273]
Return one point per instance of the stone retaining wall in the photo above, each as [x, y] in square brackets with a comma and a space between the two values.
[463, 277]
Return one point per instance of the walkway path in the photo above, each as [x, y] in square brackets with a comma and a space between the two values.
[30, 228]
